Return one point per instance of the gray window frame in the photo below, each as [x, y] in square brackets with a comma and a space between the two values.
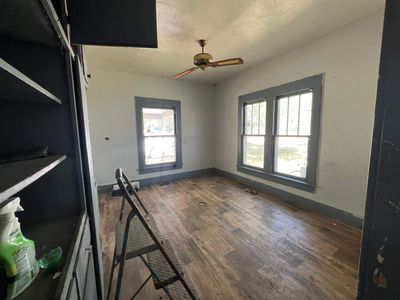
[144, 102]
[272, 95]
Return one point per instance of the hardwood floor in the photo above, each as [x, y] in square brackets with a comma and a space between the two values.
[242, 246]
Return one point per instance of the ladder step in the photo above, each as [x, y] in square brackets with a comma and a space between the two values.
[165, 277]
[163, 272]
[176, 290]
[139, 240]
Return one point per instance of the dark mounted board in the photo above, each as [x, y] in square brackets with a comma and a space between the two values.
[17, 175]
[130, 23]
[379, 274]
[15, 86]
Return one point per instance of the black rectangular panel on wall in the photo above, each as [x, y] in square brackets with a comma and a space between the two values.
[379, 275]
[113, 23]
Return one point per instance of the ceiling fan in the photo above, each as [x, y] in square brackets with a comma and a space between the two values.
[204, 60]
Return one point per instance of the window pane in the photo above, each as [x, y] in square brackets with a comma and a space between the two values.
[159, 150]
[263, 113]
[253, 151]
[256, 118]
[158, 121]
[291, 156]
[305, 114]
[247, 118]
[293, 115]
[282, 116]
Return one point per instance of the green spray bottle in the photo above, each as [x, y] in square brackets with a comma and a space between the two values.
[18, 265]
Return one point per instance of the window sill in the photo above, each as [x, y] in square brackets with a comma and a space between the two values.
[298, 184]
[160, 168]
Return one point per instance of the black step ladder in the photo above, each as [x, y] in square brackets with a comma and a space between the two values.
[137, 235]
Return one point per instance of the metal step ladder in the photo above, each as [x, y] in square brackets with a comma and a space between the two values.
[137, 235]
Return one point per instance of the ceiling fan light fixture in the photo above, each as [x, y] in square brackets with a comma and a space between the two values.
[204, 60]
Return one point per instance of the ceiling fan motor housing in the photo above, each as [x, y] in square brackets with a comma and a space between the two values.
[202, 60]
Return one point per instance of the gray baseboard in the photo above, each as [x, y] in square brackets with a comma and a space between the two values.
[105, 188]
[161, 179]
[293, 199]
[296, 200]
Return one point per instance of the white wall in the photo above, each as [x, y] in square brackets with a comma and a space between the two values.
[112, 114]
[349, 58]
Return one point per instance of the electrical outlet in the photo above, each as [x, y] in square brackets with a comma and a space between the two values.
[116, 191]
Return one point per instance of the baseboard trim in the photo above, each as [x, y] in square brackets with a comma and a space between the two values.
[161, 179]
[296, 200]
[105, 188]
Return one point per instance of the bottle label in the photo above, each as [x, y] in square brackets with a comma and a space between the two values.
[27, 269]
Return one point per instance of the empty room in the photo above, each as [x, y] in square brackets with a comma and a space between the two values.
[232, 149]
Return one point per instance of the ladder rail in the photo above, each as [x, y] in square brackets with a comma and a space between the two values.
[120, 176]
[123, 254]
[119, 173]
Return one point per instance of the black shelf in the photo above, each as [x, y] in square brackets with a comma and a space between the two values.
[33, 21]
[17, 175]
[49, 235]
[57, 27]
[15, 86]
[27, 21]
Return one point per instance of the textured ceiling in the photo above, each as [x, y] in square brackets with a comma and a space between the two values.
[255, 30]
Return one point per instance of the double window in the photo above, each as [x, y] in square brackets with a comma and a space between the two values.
[278, 132]
[159, 134]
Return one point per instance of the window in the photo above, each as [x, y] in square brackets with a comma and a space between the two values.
[159, 134]
[292, 134]
[254, 134]
[278, 133]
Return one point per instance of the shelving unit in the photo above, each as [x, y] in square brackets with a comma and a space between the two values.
[43, 103]
[15, 176]
[15, 86]
[39, 106]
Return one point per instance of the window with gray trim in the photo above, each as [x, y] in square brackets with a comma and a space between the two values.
[158, 124]
[254, 133]
[278, 132]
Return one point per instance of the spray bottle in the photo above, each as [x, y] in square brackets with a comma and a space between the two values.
[18, 265]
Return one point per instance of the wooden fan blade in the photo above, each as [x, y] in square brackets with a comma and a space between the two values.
[188, 71]
[227, 62]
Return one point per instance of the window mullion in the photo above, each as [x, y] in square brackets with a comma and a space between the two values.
[243, 134]
[298, 116]
[287, 115]
[251, 118]
[259, 115]
[269, 125]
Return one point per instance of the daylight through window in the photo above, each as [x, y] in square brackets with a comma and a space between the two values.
[278, 133]
[254, 134]
[159, 137]
[292, 134]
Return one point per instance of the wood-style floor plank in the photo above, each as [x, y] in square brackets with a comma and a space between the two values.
[241, 246]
